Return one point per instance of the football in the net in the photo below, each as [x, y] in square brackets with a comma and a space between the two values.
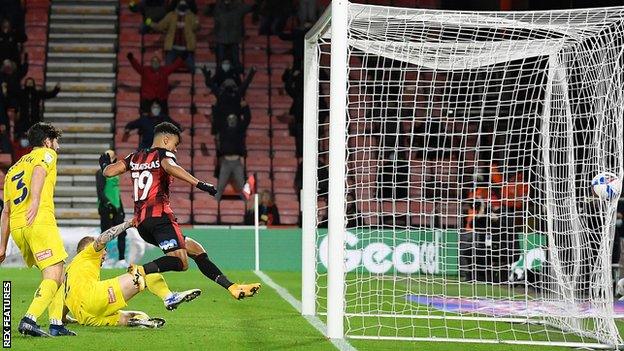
[607, 186]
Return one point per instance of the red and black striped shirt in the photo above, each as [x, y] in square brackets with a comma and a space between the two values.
[150, 182]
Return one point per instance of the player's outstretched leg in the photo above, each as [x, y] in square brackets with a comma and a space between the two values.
[140, 319]
[158, 286]
[210, 270]
[174, 260]
[138, 276]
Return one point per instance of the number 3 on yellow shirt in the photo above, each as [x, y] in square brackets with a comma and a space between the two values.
[19, 178]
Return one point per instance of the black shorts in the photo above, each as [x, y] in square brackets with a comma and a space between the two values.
[163, 232]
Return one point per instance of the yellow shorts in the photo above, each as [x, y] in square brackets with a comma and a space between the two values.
[101, 303]
[40, 245]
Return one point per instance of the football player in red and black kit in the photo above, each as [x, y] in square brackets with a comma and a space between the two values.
[152, 173]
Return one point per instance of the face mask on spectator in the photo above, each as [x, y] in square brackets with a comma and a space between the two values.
[155, 111]
[24, 142]
[225, 66]
[619, 222]
[182, 7]
[155, 65]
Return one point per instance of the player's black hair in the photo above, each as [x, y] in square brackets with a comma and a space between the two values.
[167, 128]
[84, 242]
[41, 131]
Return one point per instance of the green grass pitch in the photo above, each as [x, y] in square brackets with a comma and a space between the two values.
[214, 321]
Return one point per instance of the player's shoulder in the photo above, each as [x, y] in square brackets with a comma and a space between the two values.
[46, 155]
[43, 151]
[163, 153]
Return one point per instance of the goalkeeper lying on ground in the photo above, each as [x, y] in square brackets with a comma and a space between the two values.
[98, 303]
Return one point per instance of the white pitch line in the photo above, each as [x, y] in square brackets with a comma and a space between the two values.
[340, 344]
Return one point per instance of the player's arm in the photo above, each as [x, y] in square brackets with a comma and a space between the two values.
[110, 169]
[110, 234]
[176, 171]
[4, 230]
[36, 186]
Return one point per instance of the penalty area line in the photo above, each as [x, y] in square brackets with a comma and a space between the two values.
[340, 344]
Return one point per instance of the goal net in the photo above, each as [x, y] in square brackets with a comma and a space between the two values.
[447, 174]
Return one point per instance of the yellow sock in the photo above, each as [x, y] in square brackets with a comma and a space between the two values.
[55, 309]
[43, 296]
[157, 285]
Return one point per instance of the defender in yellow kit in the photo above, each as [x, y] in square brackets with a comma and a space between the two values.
[28, 216]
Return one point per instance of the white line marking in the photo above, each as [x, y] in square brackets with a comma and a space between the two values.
[341, 344]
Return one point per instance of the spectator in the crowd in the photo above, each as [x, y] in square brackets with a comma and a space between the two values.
[13, 11]
[29, 105]
[12, 75]
[110, 207]
[231, 134]
[297, 36]
[156, 10]
[229, 29]
[153, 9]
[224, 72]
[146, 123]
[180, 39]
[293, 84]
[268, 214]
[11, 42]
[308, 11]
[274, 14]
[515, 192]
[228, 102]
[154, 81]
[5, 126]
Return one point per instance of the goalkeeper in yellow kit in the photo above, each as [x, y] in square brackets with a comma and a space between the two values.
[28, 215]
[98, 302]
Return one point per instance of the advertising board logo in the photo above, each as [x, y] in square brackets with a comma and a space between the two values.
[379, 257]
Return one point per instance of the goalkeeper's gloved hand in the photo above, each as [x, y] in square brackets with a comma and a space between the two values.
[105, 160]
[207, 187]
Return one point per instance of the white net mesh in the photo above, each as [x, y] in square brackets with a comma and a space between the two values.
[472, 141]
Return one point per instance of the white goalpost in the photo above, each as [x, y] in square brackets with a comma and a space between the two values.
[448, 159]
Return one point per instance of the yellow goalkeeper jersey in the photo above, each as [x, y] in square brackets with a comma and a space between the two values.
[83, 270]
[17, 188]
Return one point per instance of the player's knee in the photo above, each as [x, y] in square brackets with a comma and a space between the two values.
[193, 247]
[54, 272]
[181, 261]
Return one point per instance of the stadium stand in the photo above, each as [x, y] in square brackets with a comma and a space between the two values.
[36, 28]
[83, 44]
[81, 56]
[270, 147]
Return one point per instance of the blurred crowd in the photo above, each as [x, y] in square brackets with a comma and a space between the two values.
[228, 81]
[20, 97]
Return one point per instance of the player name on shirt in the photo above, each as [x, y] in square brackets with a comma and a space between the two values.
[144, 166]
